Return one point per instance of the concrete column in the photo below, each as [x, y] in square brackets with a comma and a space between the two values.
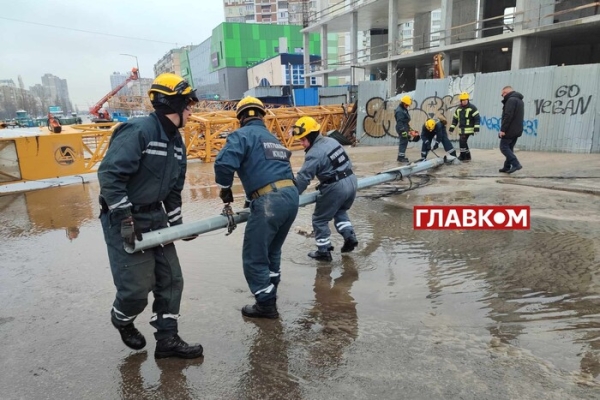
[530, 53]
[464, 12]
[533, 13]
[392, 46]
[354, 39]
[324, 53]
[446, 25]
[422, 31]
[446, 22]
[306, 59]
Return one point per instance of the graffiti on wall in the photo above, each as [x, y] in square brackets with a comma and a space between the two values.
[530, 126]
[380, 121]
[567, 100]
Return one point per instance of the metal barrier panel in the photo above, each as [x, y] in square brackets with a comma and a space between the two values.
[50, 156]
[561, 107]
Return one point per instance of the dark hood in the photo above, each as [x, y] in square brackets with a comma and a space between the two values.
[512, 94]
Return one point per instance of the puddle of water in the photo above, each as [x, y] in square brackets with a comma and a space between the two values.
[534, 295]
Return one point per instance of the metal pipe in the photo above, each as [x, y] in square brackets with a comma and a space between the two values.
[171, 234]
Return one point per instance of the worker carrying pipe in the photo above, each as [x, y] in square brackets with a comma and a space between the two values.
[165, 236]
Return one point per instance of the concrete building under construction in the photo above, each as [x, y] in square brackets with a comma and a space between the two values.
[474, 36]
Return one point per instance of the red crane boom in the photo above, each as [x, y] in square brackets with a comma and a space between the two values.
[95, 110]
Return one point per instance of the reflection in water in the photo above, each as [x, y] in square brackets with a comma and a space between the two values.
[72, 233]
[268, 374]
[172, 383]
[333, 320]
[532, 283]
[38, 211]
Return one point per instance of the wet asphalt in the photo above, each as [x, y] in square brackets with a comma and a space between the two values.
[408, 315]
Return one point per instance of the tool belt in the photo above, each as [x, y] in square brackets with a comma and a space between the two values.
[273, 186]
[135, 209]
[339, 175]
[146, 208]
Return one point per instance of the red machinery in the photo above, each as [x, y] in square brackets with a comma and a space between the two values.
[54, 124]
[101, 115]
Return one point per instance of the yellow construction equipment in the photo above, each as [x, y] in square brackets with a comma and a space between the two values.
[206, 132]
[80, 148]
[438, 66]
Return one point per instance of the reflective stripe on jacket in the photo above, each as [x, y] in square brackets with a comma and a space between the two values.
[466, 119]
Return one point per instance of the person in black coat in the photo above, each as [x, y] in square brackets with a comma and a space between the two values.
[511, 128]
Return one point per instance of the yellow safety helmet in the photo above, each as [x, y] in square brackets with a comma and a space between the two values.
[170, 85]
[250, 104]
[463, 96]
[430, 124]
[406, 100]
[304, 126]
[172, 91]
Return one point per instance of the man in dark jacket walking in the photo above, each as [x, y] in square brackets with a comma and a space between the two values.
[511, 128]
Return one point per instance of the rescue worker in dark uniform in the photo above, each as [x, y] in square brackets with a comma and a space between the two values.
[402, 127]
[511, 129]
[327, 160]
[141, 178]
[263, 165]
[466, 118]
[435, 129]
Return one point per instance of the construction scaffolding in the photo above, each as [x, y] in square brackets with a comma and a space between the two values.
[205, 133]
[79, 149]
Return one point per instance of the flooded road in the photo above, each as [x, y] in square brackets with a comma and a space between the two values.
[408, 315]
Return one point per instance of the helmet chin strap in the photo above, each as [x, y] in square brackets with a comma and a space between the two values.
[180, 119]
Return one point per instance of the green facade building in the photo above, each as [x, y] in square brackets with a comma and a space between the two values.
[218, 65]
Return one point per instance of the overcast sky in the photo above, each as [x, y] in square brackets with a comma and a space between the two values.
[81, 40]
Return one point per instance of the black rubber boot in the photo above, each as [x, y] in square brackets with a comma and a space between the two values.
[467, 156]
[320, 255]
[403, 160]
[349, 244]
[514, 168]
[131, 336]
[176, 347]
[266, 309]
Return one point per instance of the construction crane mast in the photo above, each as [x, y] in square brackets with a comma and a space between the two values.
[101, 115]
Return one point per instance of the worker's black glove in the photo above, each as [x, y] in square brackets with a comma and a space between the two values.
[436, 145]
[128, 231]
[246, 203]
[187, 239]
[226, 195]
[451, 130]
[476, 130]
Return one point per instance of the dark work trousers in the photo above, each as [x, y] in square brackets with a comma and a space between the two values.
[403, 144]
[333, 202]
[507, 146]
[271, 217]
[135, 275]
[463, 138]
[440, 137]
